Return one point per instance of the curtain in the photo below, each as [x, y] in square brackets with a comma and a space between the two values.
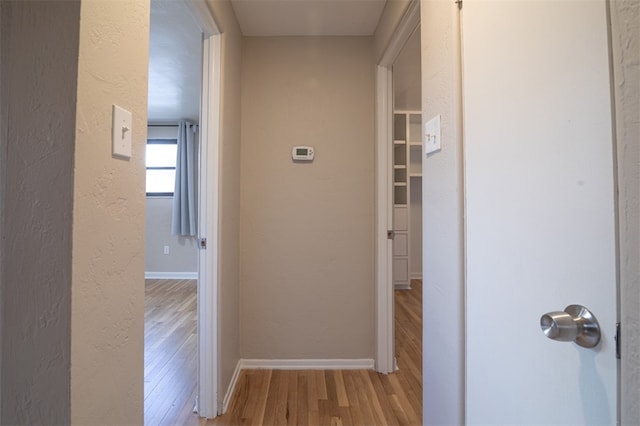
[183, 221]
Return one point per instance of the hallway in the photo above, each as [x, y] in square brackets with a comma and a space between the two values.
[339, 397]
[277, 397]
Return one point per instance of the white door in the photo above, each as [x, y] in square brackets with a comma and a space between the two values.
[540, 223]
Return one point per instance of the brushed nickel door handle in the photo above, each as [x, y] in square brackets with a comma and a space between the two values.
[575, 324]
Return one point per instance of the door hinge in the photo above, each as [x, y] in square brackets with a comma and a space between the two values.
[202, 243]
[618, 343]
[459, 3]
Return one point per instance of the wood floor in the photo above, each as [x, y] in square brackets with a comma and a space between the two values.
[170, 352]
[339, 397]
[278, 397]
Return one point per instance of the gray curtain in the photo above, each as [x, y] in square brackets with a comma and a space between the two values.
[184, 197]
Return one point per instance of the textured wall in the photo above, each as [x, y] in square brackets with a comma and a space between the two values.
[625, 19]
[107, 315]
[307, 229]
[39, 69]
[443, 261]
[407, 94]
[229, 249]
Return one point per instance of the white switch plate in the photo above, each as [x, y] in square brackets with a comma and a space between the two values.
[121, 132]
[432, 135]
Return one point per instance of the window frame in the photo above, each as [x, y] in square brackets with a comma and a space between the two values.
[161, 141]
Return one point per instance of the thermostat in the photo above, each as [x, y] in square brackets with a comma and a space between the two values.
[302, 153]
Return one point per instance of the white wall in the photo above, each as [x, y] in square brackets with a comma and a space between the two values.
[307, 229]
[407, 93]
[182, 260]
[443, 292]
[391, 16]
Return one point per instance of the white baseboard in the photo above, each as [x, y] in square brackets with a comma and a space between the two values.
[307, 364]
[291, 364]
[416, 275]
[402, 286]
[232, 387]
[170, 275]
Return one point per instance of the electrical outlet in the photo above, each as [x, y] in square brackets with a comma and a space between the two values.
[166, 250]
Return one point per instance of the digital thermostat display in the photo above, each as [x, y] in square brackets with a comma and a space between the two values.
[302, 153]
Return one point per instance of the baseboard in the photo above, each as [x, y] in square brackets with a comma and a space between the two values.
[416, 275]
[402, 286]
[232, 387]
[291, 364]
[307, 364]
[170, 275]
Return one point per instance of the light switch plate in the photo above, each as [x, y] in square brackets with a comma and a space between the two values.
[432, 135]
[121, 132]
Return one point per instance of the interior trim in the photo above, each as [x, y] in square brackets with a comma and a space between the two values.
[170, 275]
[307, 364]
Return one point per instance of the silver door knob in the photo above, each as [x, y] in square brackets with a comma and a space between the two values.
[575, 324]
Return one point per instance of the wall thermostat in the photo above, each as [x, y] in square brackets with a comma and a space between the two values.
[302, 153]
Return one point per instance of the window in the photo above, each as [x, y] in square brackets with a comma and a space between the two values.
[161, 166]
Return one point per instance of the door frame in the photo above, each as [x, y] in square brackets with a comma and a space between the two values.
[208, 210]
[385, 358]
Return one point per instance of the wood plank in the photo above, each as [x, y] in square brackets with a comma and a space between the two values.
[170, 373]
[340, 397]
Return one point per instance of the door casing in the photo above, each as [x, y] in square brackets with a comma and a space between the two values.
[208, 211]
[385, 361]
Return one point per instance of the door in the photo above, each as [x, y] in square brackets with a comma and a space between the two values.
[540, 218]
[208, 185]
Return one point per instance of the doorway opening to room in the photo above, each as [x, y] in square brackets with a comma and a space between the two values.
[407, 153]
[180, 375]
[398, 169]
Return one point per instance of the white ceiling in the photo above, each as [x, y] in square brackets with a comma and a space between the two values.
[308, 17]
[176, 40]
[174, 63]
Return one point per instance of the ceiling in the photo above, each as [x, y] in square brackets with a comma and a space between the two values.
[175, 42]
[308, 17]
[174, 63]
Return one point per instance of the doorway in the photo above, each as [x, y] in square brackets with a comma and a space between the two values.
[171, 259]
[407, 199]
[385, 172]
[183, 85]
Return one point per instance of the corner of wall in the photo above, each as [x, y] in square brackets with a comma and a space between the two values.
[229, 257]
[443, 218]
[625, 43]
[107, 313]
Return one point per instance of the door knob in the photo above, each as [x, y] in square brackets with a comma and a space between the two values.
[575, 324]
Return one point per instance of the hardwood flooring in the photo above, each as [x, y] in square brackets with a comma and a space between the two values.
[339, 397]
[170, 352]
[277, 397]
